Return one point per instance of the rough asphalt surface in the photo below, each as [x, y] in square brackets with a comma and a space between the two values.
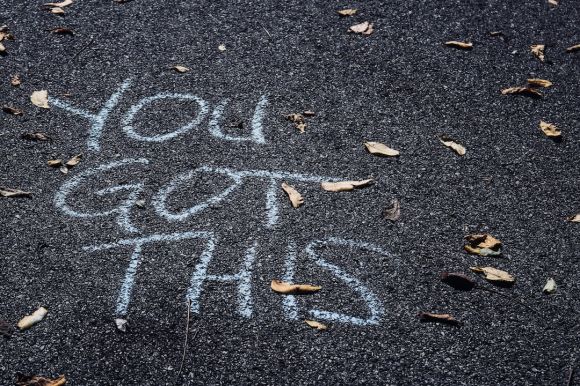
[399, 86]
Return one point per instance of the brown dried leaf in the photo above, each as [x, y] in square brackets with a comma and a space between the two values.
[527, 91]
[33, 380]
[55, 163]
[344, 186]
[538, 51]
[347, 12]
[57, 11]
[364, 28]
[550, 129]
[458, 281]
[457, 148]
[380, 149]
[442, 318]
[74, 161]
[539, 82]
[298, 120]
[9, 192]
[40, 99]
[181, 69]
[573, 48]
[62, 4]
[62, 31]
[309, 113]
[15, 80]
[317, 325]
[483, 245]
[36, 136]
[12, 110]
[286, 288]
[295, 197]
[30, 320]
[458, 44]
[494, 274]
[394, 212]
[575, 218]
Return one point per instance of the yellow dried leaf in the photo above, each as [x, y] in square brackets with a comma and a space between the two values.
[54, 163]
[575, 218]
[550, 129]
[33, 380]
[295, 197]
[347, 12]
[380, 149]
[57, 11]
[550, 286]
[458, 44]
[457, 148]
[15, 80]
[317, 325]
[573, 48]
[364, 28]
[522, 91]
[494, 274]
[283, 287]
[344, 186]
[180, 69]
[538, 51]
[74, 161]
[40, 99]
[539, 82]
[62, 4]
[31, 320]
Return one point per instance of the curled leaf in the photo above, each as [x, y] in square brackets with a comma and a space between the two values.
[380, 149]
[317, 325]
[394, 212]
[364, 28]
[347, 12]
[539, 82]
[62, 4]
[31, 320]
[12, 110]
[180, 69]
[538, 51]
[295, 197]
[36, 136]
[550, 286]
[441, 318]
[458, 281]
[575, 218]
[33, 380]
[494, 274]
[40, 99]
[526, 91]
[550, 129]
[458, 44]
[9, 192]
[483, 245]
[573, 48]
[283, 287]
[451, 143]
[344, 186]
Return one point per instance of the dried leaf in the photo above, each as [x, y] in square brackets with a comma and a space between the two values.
[458, 44]
[496, 33]
[121, 324]
[40, 99]
[575, 218]
[364, 28]
[538, 51]
[539, 82]
[442, 318]
[9, 192]
[380, 149]
[5, 329]
[15, 80]
[33, 380]
[74, 161]
[550, 286]
[55, 163]
[12, 110]
[458, 148]
[347, 12]
[31, 320]
[301, 127]
[180, 69]
[62, 31]
[286, 288]
[298, 120]
[222, 47]
[573, 48]
[309, 113]
[483, 245]
[550, 129]
[458, 281]
[317, 325]
[57, 11]
[344, 186]
[494, 275]
[394, 212]
[527, 91]
[36, 136]
[62, 4]
[295, 197]
[553, 2]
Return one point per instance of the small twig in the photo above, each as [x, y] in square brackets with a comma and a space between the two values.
[266, 30]
[508, 297]
[186, 336]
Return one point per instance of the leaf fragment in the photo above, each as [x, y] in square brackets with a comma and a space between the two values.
[62, 4]
[55, 163]
[452, 144]
[295, 198]
[575, 218]
[344, 186]
[36, 136]
[74, 161]
[12, 110]
[347, 12]
[15, 80]
[458, 281]
[57, 11]
[539, 82]
[62, 31]
[180, 69]
[364, 28]
[441, 318]
[380, 149]
[10, 192]
[550, 286]
[550, 129]
[40, 99]
[33, 380]
[298, 120]
[283, 287]
[317, 325]
[526, 91]
[483, 245]
[458, 44]
[394, 212]
[30, 320]
[538, 51]
[553, 2]
[494, 274]
[573, 48]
